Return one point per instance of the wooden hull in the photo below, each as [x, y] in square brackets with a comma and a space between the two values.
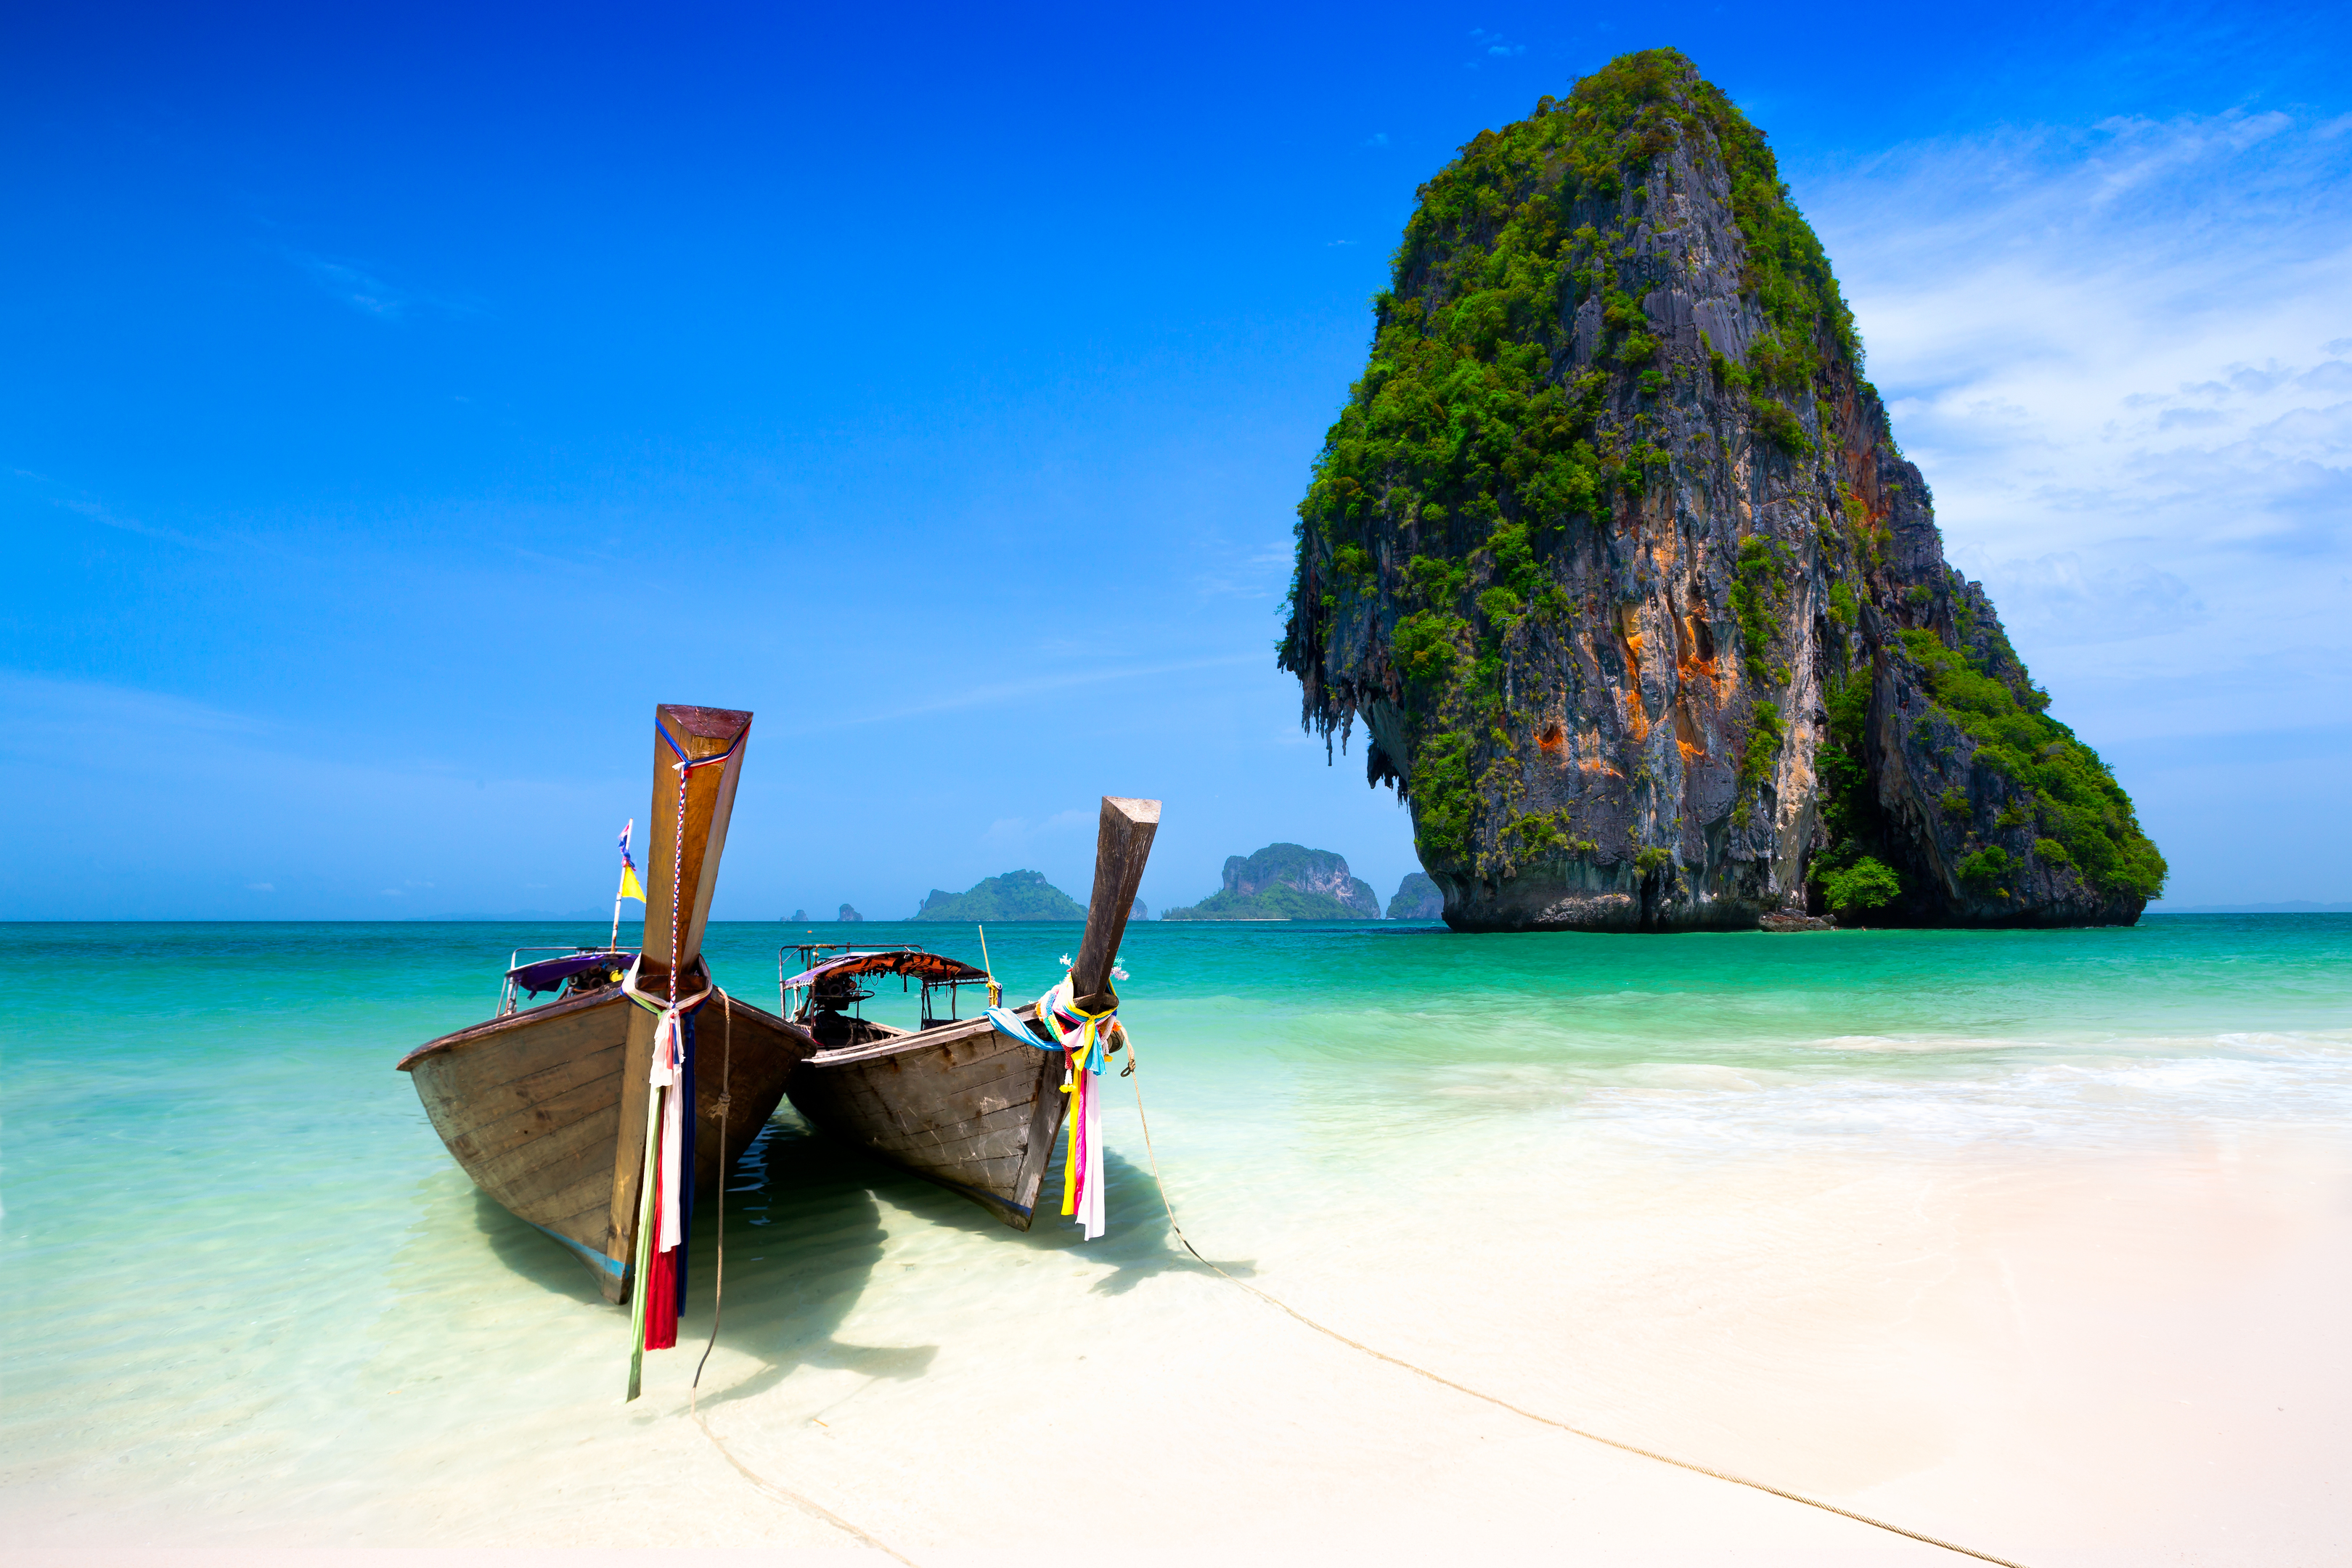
[959, 1104]
[530, 1106]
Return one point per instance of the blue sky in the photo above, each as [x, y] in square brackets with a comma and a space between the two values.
[397, 405]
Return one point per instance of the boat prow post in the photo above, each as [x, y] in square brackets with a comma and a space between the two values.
[697, 762]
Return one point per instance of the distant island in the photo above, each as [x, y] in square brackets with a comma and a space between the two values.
[509, 917]
[2292, 907]
[1417, 898]
[1286, 883]
[1014, 896]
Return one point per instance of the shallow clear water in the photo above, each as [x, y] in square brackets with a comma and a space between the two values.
[234, 1240]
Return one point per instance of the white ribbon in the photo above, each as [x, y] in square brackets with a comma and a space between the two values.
[1089, 1216]
[1086, 1116]
[669, 1063]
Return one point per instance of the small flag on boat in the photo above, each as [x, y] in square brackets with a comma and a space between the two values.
[630, 887]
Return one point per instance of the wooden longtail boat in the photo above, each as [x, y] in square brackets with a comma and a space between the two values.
[955, 1101]
[545, 1106]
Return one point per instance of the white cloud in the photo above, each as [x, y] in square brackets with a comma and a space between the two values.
[997, 693]
[361, 290]
[373, 296]
[97, 511]
[151, 804]
[1496, 47]
[2120, 356]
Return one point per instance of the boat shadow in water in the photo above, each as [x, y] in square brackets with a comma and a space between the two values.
[529, 1253]
[803, 1235]
[1137, 1242]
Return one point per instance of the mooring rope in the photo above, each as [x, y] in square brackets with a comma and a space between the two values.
[1504, 1404]
[786, 1494]
[726, 1102]
[717, 1290]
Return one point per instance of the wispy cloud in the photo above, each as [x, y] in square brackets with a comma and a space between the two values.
[363, 292]
[1014, 691]
[101, 515]
[153, 805]
[94, 510]
[1497, 46]
[1377, 139]
[372, 295]
[1254, 571]
[2120, 355]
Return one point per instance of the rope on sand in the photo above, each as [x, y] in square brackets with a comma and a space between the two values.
[783, 1494]
[759, 1481]
[719, 1277]
[1504, 1404]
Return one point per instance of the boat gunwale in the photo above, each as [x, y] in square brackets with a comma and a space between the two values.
[899, 1041]
[474, 1034]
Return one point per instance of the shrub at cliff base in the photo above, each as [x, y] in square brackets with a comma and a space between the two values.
[1864, 885]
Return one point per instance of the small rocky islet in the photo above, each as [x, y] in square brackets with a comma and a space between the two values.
[1612, 551]
[1417, 898]
[1286, 883]
[1279, 882]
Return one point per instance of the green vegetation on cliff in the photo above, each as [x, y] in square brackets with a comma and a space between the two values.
[1612, 509]
[2084, 817]
[1462, 419]
[1274, 904]
[1014, 896]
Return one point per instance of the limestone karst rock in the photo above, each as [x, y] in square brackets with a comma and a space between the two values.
[1013, 896]
[1612, 551]
[1286, 883]
[1417, 898]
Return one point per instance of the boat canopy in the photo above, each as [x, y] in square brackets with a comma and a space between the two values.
[931, 968]
[550, 973]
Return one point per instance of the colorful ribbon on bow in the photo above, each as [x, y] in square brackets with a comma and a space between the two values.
[1085, 1038]
[664, 1195]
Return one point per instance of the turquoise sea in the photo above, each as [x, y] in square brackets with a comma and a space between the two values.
[253, 1298]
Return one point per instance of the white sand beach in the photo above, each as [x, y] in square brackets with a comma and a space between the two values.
[2132, 1356]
